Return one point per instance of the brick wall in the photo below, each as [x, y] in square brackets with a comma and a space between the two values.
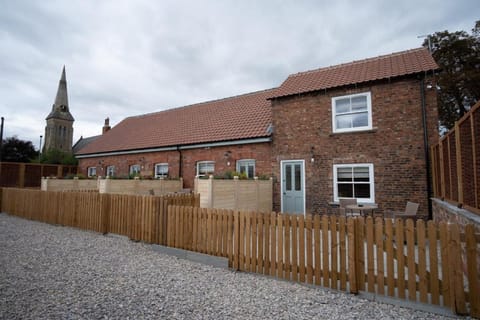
[224, 161]
[395, 145]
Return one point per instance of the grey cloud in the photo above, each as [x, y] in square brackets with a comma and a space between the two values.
[126, 58]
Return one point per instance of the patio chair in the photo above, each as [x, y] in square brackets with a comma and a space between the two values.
[409, 213]
[342, 210]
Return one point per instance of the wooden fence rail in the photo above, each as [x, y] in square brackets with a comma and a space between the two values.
[421, 262]
[141, 218]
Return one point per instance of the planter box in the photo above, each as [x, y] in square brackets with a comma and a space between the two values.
[235, 194]
[137, 186]
[68, 184]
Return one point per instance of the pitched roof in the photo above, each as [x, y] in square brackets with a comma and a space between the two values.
[382, 67]
[240, 117]
[83, 142]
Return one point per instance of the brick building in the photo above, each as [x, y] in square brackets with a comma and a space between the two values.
[359, 130]
[214, 137]
[355, 130]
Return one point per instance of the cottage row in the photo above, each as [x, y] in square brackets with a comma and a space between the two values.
[356, 130]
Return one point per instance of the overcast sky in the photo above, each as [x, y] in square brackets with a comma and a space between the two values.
[125, 58]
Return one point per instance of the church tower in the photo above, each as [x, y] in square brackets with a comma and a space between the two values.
[59, 129]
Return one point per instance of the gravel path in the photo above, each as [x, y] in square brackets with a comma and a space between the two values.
[52, 272]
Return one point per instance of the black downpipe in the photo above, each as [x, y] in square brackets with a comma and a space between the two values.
[180, 169]
[426, 147]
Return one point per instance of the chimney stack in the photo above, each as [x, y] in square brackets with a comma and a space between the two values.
[106, 126]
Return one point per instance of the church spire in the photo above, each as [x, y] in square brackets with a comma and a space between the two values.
[60, 109]
[59, 128]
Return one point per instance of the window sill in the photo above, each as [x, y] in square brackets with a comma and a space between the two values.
[373, 130]
[335, 204]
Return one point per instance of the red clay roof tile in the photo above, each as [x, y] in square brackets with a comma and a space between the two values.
[382, 67]
[240, 117]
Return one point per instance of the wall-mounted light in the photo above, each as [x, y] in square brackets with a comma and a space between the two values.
[227, 156]
[312, 156]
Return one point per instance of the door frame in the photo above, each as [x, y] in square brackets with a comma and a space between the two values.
[302, 161]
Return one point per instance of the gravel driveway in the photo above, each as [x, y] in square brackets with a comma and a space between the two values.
[52, 272]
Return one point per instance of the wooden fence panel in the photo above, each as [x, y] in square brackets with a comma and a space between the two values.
[334, 251]
[400, 254]
[434, 262]
[301, 245]
[473, 275]
[423, 263]
[379, 238]
[343, 253]
[286, 252]
[370, 255]
[389, 240]
[309, 247]
[295, 247]
[321, 236]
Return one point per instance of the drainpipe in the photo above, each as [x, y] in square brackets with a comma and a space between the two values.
[426, 147]
[180, 162]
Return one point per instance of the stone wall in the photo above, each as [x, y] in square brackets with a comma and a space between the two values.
[444, 211]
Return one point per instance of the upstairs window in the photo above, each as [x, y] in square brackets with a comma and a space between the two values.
[354, 181]
[246, 166]
[92, 171]
[204, 168]
[352, 112]
[161, 170]
[110, 171]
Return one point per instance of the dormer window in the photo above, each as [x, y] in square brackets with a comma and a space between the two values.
[63, 108]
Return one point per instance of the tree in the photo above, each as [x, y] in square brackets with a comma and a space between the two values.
[55, 156]
[16, 150]
[458, 56]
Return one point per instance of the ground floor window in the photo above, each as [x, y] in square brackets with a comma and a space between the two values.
[92, 171]
[204, 168]
[161, 170]
[135, 169]
[110, 171]
[354, 181]
[246, 166]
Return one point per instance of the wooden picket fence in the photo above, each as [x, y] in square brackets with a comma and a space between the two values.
[420, 261]
[142, 218]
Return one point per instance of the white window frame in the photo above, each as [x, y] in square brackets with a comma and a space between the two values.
[92, 171]
[159, 174]
[353, 129]
[247, 163]
[110, 171]
[371, 181]
[134, 169]
[200, 163]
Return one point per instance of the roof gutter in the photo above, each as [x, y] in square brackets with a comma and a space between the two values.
[176, 148]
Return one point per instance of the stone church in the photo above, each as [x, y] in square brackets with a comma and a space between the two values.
[59, 128]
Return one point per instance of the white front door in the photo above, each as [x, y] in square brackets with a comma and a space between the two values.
[293, 186]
